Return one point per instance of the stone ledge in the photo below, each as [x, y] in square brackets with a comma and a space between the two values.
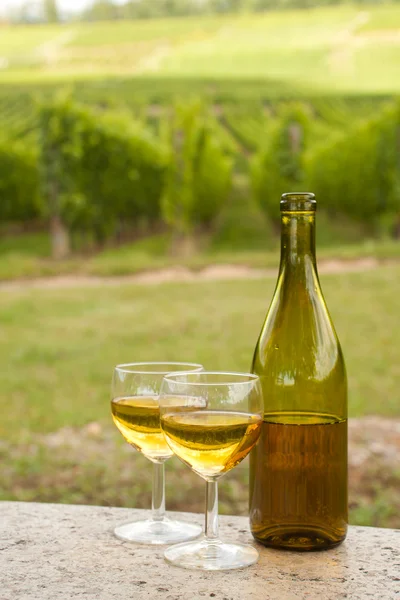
[62, 552]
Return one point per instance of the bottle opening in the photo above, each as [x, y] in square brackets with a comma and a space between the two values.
[298, 201]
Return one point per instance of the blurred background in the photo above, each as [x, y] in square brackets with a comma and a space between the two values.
[144, 146]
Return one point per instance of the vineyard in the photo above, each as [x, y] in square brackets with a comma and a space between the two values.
[193, 167]
[192, 128]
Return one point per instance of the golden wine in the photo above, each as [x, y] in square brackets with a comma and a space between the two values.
[211, 442]
[298, 472]
[299, 495]
[138, 419]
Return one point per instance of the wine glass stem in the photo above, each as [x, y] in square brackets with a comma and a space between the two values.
[158, 496]
[211, 511]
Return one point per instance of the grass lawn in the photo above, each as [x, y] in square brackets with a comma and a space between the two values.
[58, 347]
[248, 241]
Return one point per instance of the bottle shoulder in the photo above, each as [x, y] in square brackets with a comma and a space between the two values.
[298, 354]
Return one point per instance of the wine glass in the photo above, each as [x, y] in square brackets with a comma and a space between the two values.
[135, 411]
[211, 421]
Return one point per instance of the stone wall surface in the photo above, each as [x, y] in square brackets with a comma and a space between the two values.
[60, 552]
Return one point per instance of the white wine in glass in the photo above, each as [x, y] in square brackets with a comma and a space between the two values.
[136, 413]
[138, 419]
[211, 421]
[211, 442]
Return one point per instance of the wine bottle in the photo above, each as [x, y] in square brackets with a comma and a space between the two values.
[298, 469]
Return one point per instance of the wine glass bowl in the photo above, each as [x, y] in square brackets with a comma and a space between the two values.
[136, 413]
[211, 421]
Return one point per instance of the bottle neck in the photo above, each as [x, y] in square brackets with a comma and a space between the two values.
[297, 240]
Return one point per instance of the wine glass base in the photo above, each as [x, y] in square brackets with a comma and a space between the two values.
[157, 532]
[214, 556]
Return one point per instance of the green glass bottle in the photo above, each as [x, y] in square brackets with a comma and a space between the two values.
[298, 470]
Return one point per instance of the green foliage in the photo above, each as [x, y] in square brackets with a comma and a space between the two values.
[106, 10]
[279, 167]
[99, 170]
[19, 182]
[199, 175]
[145, 9]
[51, 11]
[358, 173]
[248, 125]
[102, 10]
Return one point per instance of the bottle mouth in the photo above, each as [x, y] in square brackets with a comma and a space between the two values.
[298, 202]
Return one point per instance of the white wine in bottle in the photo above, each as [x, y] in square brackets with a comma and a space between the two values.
[298, 470]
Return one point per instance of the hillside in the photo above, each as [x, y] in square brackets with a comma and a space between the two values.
[335, 49]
